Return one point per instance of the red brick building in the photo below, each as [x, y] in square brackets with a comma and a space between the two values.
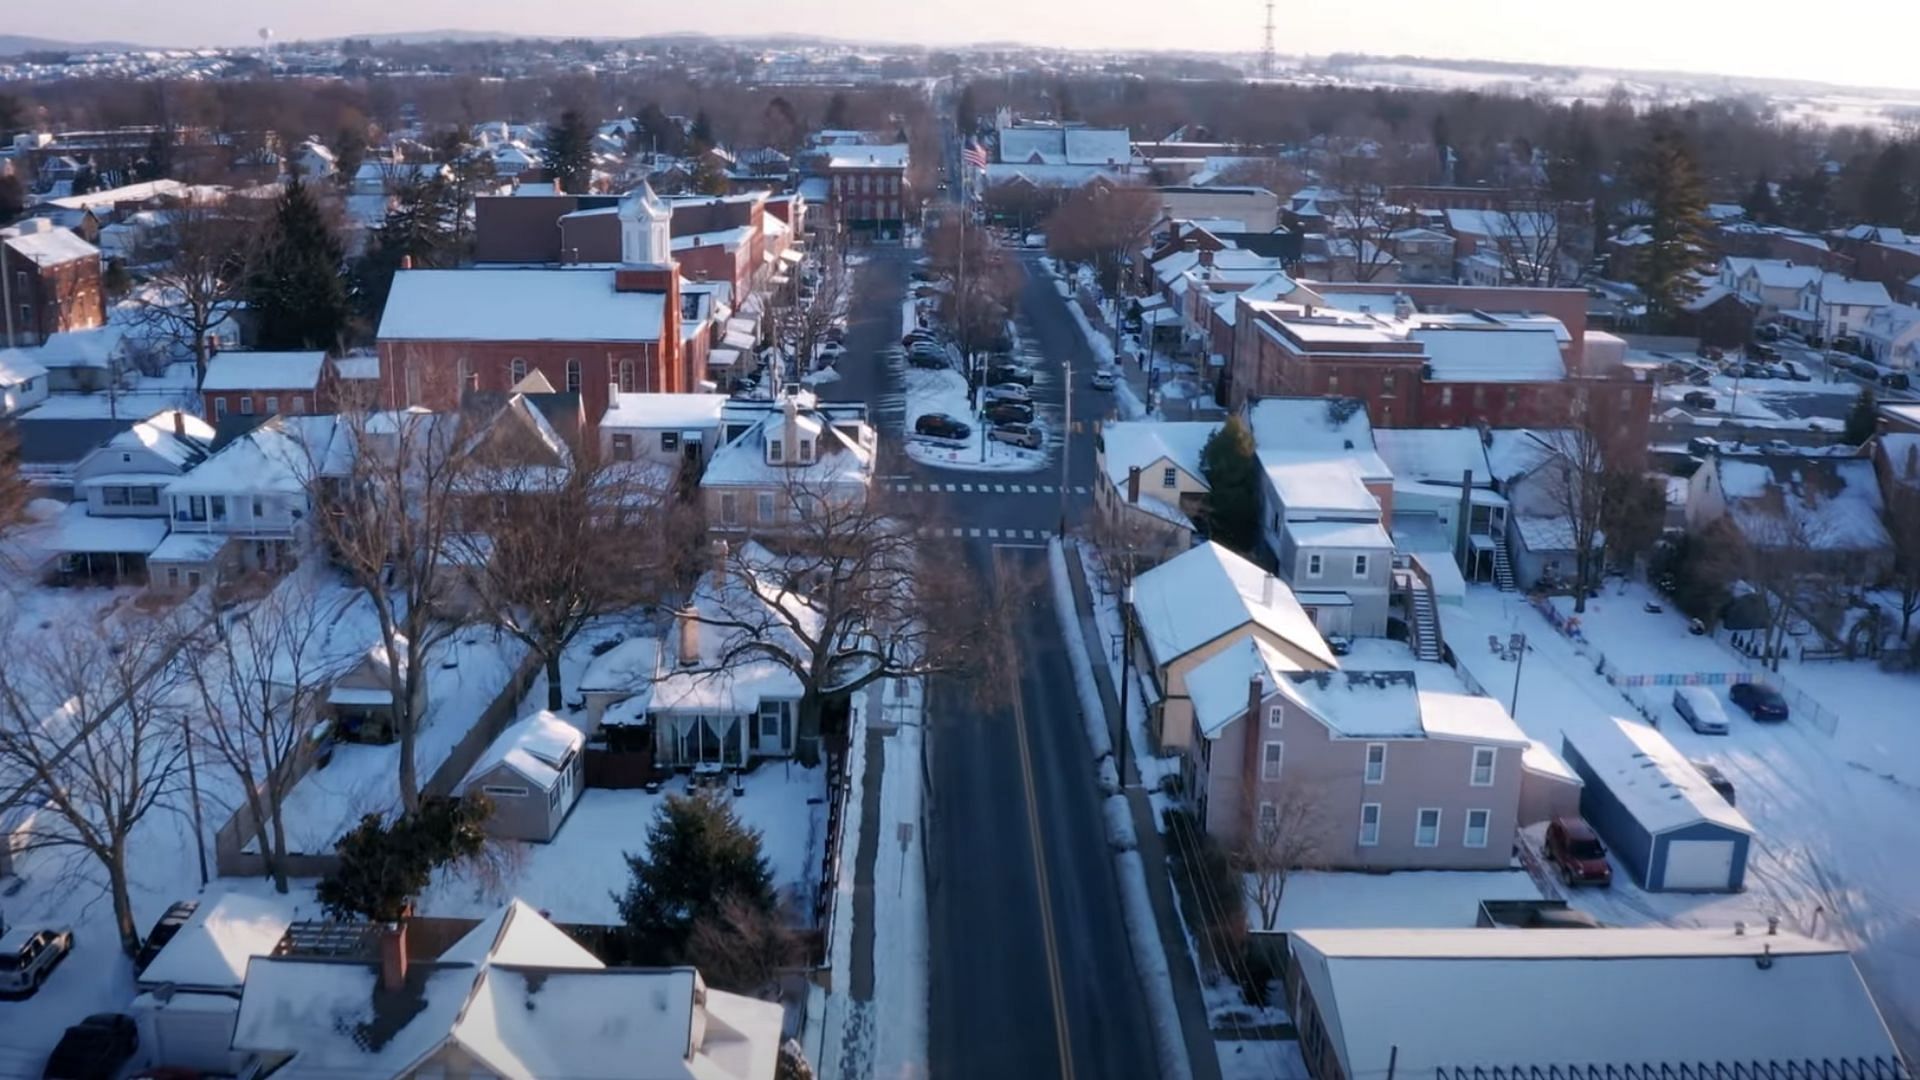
[265, 384]
[50, 283]
[869, 193]
[587, 329]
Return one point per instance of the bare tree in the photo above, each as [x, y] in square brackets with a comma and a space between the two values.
[806, 323]
[90, 727]
[1902, 495]
[1593, 479]
[387, 488]
[1365, 220]
[257, 684]
[196, 261]
[1285, 837]
[16, 491]
[854, 596]
[1537, 239]
[549, 551]
[1103, 224]
[1776, 549]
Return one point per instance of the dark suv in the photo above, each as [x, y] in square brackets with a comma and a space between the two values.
[1762, 702]
[941, 426]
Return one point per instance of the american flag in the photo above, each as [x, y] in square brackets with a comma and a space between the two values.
[975, 155]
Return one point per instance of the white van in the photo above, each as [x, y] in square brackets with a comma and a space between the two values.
[1700, 708]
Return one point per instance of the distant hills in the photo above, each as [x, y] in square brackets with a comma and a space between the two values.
[15, 44]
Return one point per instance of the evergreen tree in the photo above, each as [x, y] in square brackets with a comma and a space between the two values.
[1759, 203]
[1888, 196]
[1665, 175]
[1233, 482]
[709, 178]
[1863, 419]
[419, 229]
[702, 133]
[1806, 201]
[297, 294]
[836, 111]
[699, 860]
[569, 153]
[349, 150]
[384, 865]
[965, 112]
[13, 115]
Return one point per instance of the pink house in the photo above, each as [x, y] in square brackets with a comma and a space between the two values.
[1381, 773]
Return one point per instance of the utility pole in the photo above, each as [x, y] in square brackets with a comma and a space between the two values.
[1126, 671]
[1066, 442]
[1519, 645]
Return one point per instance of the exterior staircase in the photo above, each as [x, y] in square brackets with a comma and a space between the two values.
[1502, 566]
[1425, 623]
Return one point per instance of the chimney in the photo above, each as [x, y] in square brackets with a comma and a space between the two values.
[406, 262]
[1739, 928]
[1773, 925]
[1266, 589]
[613, 396]
[1133, 484]
[689, 645]
[393, 957]
[1206, 258]
[1256, 690]
[720, 550]
[179, 424]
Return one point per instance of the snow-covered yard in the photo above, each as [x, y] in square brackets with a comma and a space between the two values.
[1834, 814]
[945, 391]
[575, 878]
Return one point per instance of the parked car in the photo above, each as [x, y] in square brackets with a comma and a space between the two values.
[1754, 370]
[1767, 332]
[1760, 701]
[1866, 369]
[921, 273]
[163, 931]
[1022, 435]
[1895, 380]
[941, 426]
[1699, 399]
[916, 336]
[829, 351]
[1708, 352]
[1010, 373]
[1575, 848]
[1760, 350]
[1103, 378]
[1796, 371]
[1703, 445]
[1700, 708]
[1781, 446]
[1009, 412]
[27, 957]
[1716, 779]
[1009, 392]
[93, 1049]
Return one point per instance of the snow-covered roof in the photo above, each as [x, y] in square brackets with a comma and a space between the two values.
[1830, 504]
[1549, 532]
[157, 434]
[728, 239]
[1841, 289]
[891, 156]
[1098, 146]
[535, 747]
[1311, 483]
[1207, 592]
[75, 533]
[1781, 273]
[1319, 425]
[213, 948]
[1473, 718]
[1538, 757]
[1521, 224]
[1141, 443]
[1059, 175]
[186, 547]
[18, 366]
[278, 456]
[1339, 534]
[1358, 704]
[1432, 1000]
[264, 371]
[1327, 900]
[1515, 452]
[1505, 355]
[50, 247]
[1439, 455]
[144, 191]
[548, 304]
[840, 459]
[1651, 778]
[94, 348]
[1032, 146]
[1218, 685]
[675, 411]
[626, 668]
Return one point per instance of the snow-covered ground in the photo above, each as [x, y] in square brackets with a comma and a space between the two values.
[1154, 770]
[1834, 814]
[173, 389]
[576, 877]
[945, 391]
[1760, 403]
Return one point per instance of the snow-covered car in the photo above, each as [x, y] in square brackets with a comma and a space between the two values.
[27, 957]
[1010, 373]
[1009, 392]
[830, 351]
[1103, 378]
[1021, 435]
[1700, 708]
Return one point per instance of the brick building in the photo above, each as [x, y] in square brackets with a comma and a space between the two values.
[869, 193]
[1436, 356]
[50, 283]
[587, 328]
[265, 384]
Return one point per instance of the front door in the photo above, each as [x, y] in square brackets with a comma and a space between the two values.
[770, 729]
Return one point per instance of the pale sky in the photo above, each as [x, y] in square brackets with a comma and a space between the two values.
[1860, 42]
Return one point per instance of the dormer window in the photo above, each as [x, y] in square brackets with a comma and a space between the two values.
[776, 452]
[806, 450]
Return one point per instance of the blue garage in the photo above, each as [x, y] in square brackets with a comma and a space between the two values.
[1671, 830]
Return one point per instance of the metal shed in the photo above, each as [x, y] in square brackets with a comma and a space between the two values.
[1671, 830]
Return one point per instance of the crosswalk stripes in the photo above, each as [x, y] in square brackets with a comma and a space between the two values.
[984, 489]
[962, 532]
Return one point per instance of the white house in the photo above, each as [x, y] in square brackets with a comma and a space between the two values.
[244, 507]
[665, 429]
[23, 381]
[128, 474]
[776, 460]
[1838, 305]
[1773, 286]
[313, 160]
[1891, 336]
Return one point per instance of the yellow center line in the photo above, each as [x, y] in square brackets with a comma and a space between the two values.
[1051, 944]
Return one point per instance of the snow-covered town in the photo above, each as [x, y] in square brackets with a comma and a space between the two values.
[778, 558]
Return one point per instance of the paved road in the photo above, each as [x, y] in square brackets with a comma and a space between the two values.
[1031, 973]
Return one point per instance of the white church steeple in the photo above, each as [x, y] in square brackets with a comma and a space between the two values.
[645, 229]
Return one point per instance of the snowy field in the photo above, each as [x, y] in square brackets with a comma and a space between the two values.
[575, 878]
[1834, 814]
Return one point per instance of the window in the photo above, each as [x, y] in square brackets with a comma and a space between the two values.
[626, 376]
[729, 509]
[504, 791]
[1276, 715]
[776, 451]
[1426, 827]
[1169, 477]
[769, 719]
[1269, 815]
[299, 405]
[1513, 397]
[806, 449]
[623, 448]
[553, 798]
[1376, 763]
[1369, 824]
[1333, 383]
[1482, 766]
[573, 376]
[196, 508]
[173, 577]
[1359, 566]
[246, 405]
[273, 405]
[1272, 754]
[143, 496]
[517, 370]
[113, 496]
[259, 508]
[126, 459]
[763, 507]
[1387, 380]
[1479, 397]
[669, 441]
[1313, 565]
[219, 409]
[1477, 828]
[464, 376]
[217, 507]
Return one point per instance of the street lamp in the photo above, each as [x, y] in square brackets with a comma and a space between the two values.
[1126, 676]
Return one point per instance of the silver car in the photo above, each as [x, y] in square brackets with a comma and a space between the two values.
[27, 956]
[1700, 708]
[1022, 435]
[1009, 392]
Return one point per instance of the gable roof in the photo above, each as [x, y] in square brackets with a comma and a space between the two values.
[547, 304]
[1140, 443]
[50, 247]
[1357, 704]
[533, 747]
[1434, 1001]
[1437, 455]
[1317, 425]
[1651, 778]
[1833, 504]
[264, 371]
[1841, 289]
[1218, 686]
[211, 951]
[1208, 592]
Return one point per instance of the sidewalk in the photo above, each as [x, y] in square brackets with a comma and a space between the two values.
[1138, 378]
[1194, 1025]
